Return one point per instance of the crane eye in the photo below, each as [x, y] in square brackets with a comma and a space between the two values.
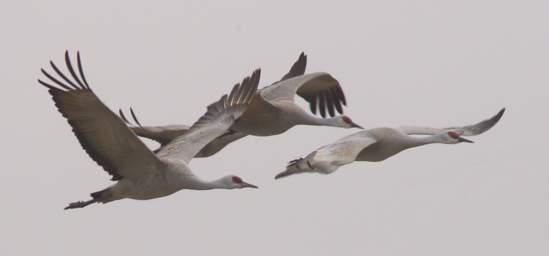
[346, 119]
[237, 180]
[453, 135]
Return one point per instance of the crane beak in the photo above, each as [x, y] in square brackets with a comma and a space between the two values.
[356, 126]
[461, 139]
[248, 185]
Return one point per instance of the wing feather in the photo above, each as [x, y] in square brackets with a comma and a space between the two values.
[298, 68]
[315, 88]
[161, 134]
[344, 150]
[468, 130]
[104, 136]
[215, 122]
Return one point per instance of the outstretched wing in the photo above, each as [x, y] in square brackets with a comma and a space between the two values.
[320, 89]
[215, 122]
[468, 130]
[161, 134]
[346, 149]
[329, 158]
[166, 133]
[297, 69]
[219, 143]
[105, 137]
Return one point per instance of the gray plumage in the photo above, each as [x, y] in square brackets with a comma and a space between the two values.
[378, 144]
[140, 173]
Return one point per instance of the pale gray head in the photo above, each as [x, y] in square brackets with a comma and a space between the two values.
[232, 182]
[454, 137]
[347, 122]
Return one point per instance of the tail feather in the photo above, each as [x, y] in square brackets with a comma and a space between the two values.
[299, 165]
[80, 204]
[284, 174]
[97, 197]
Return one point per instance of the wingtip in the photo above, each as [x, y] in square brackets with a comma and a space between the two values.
[135, 117]
[257, 72]
[281, 175]
[499, 114]
[123, 117]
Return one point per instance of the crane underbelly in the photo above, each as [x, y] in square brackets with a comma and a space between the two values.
[378, 152]
[152, 187]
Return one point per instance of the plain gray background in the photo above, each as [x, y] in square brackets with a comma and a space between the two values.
[434, 63]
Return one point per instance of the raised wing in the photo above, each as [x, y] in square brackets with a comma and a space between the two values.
[298, 68]
[468, 130]
[320, 89]
[161, 134]
[214, 123]
[105, 137]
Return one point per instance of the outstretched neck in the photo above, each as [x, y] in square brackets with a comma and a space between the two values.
[313, 120]
[420, 141]
[199, 184]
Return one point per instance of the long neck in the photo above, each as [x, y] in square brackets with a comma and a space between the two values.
[313, 120]
[420, 141]
[199, 184]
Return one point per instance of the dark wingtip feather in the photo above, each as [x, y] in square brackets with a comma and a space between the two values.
[498, 116]
[329, 103]
[341, 96]
[79, 63]
[73, 74]
[121, 114]
[63, 76]
[134, 117]
[337, 102]
[500, 113]
[53, 79]
[322, 105]
[312, 104]
[48, 85]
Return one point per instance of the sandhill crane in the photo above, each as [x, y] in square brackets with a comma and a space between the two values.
[141, 174]
[378, 144]
[165, 134]
[273, 110]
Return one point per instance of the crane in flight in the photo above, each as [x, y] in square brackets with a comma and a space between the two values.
[378, 144]
[272, 111]
[140, 173]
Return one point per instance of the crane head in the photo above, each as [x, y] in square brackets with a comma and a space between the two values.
[237, 182]
[348, 122]
[454, 137]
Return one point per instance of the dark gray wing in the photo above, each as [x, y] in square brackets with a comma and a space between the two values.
[321, 90]
[298, 68]
[104, 136]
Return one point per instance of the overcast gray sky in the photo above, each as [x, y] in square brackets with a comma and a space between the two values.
[434, 63]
